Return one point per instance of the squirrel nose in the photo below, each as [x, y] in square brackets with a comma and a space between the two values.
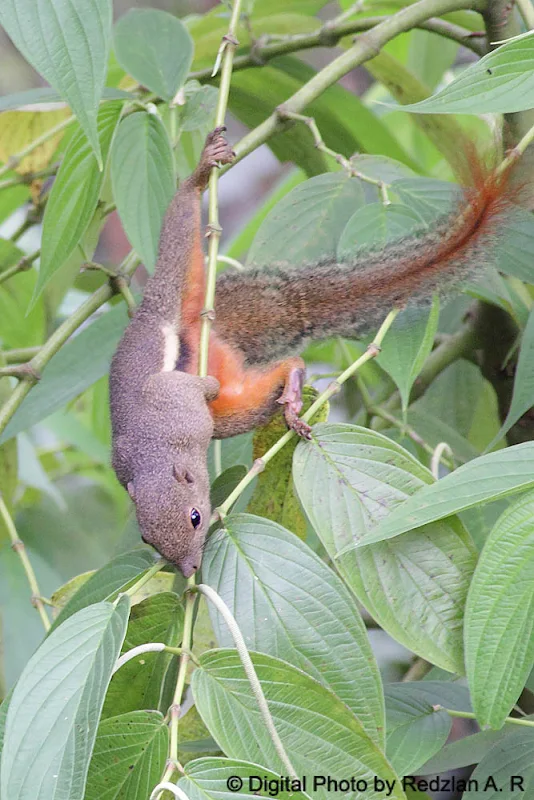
[188, 565]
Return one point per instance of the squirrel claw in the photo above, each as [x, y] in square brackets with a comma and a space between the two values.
[301, 428]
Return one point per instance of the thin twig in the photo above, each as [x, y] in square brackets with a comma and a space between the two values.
[25, 263]
[19, 548]
[250, 672]
[228, 47]
[14, 161]
[344, 162]
[330, 35]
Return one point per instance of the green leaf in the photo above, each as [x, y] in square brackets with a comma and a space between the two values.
[463, 752]
[226, 483]
[140, 682]
[289, 604]
[345, 122]
[415, 730]
[501, 81]
[348, 478]
[155, 48]
[54, 710]
[44, 94]
[74, 195]
[17, 327]
[207, 779]
[407, 346]
[523, 381]
[499, 615]
[199, 108]
[82, 361]
[128, 758]
[274, 494]
[68, 44]
[142, 174]
[374, 225]
[507, 771]
[482, 480]
[308, 221]
[107, 582]
[314, 725]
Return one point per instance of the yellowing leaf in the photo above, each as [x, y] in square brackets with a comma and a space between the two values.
[20, 128]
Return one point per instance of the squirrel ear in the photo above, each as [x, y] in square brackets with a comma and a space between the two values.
[131, 490]
[182, 475]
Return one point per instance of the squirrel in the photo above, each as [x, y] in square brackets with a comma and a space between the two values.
[163, 415]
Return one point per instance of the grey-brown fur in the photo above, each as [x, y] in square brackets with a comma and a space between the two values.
[160, 419]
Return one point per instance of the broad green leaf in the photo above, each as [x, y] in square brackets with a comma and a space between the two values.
[17, 327]
[499, 615]
[482, 480]
[243, 240]
[407, 346]
[74, 195]
[155, 48]
[307, 222]
[226, 483]
[44, 94]
[8, 467]
[375, 225]
[12, 197]
[463, 752]
[346, 124]
[274, 495]
[80, 362]
[207, 779]
[348, 479]
[54, 710]
[314, 725]
[199, 108]
[68, 44]
[289, 604]
[20, 128]
[507, 771]
[430, 56]
[142, 174]
[107, 582]
[128, 757]
[140, 682]
[523, 381]
[501, 81]
[415, 730]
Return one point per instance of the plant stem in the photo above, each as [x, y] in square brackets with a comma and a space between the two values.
[330, 34]
[182, 670]
[18, 546]
[527, 12]
[365, 48]
[371, 352]
[228, 47]
[145, 577]
[24, 264]
[20, 354]
[527, 723]
[250, 672]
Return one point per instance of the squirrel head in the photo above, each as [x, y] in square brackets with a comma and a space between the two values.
[173, 512]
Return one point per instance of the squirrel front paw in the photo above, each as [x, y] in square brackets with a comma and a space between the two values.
[216, 151]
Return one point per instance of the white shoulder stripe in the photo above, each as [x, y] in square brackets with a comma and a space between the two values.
[171, 347]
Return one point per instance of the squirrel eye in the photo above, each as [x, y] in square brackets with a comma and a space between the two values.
[195, 517]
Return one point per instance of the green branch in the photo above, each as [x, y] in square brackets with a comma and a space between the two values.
[365, 48]
[330, 34]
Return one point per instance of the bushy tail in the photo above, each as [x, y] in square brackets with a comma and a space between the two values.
[275, 312]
